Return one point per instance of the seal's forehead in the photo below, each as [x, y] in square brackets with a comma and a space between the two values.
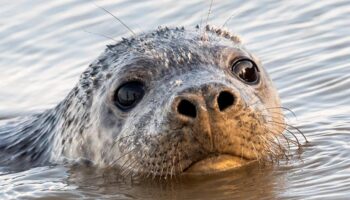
[210, 35]
[171, 47]
[174, 43]
[177, 39]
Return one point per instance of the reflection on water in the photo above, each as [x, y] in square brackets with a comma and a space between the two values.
[232, 184]
[305, 45]
[60, 182]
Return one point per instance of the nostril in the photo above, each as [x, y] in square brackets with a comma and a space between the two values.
[225, 100]
[187, 108]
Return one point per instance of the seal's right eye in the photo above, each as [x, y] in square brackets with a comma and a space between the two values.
[246, 70]
[128, 95]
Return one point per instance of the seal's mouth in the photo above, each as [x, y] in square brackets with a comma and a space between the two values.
[216, 163]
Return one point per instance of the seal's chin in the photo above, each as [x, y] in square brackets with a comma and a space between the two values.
[216, 163]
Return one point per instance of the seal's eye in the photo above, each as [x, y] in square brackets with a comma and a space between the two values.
[246, 70]
[128, 95]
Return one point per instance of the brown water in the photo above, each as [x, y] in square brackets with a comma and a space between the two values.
[305, 45]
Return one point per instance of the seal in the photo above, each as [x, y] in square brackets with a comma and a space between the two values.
[162, 103]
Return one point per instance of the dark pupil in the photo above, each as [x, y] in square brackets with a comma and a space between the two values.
[246, 70]
[129, 94]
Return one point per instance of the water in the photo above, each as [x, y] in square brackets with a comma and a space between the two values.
[305, 45]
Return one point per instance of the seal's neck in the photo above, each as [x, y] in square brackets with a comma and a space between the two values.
[25, 142]
[35, 140]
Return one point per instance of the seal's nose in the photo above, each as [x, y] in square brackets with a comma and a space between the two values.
[201, 111]
[225, 100]
[188, 106]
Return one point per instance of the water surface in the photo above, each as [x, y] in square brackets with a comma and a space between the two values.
[305, 46]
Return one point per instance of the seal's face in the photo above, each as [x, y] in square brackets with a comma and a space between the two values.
[176, 101]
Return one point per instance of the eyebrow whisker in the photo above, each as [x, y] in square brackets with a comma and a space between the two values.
[115, 17]
[101, 35]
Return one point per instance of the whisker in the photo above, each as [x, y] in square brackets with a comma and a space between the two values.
[283, 108]
[206, 22]
[167, 172]
[282, 149]
[148, 173]
[255, 152]
[299, 131]
[234, 14]
[272, 117]
[180, 164]
[115, 17]
[263, 140]
[285, 138]
[124, 164]
[242, 149]
[274, 148]
[296, 128]
[154, 170]
[162, 165]
[277, 113]
[285, 128]
[125, 154]
[295, 142]
[119, 139]
[296, 138]
[129, 168]
[172, 167]
[253, 104]
[201, 24]
[101, 35]
[123, 168]
[209, 12]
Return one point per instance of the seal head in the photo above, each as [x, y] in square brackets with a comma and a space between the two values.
[166, 100]
[171, 101]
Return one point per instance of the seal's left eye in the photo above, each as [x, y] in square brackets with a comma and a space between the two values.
[246, 70]
[128, 95]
